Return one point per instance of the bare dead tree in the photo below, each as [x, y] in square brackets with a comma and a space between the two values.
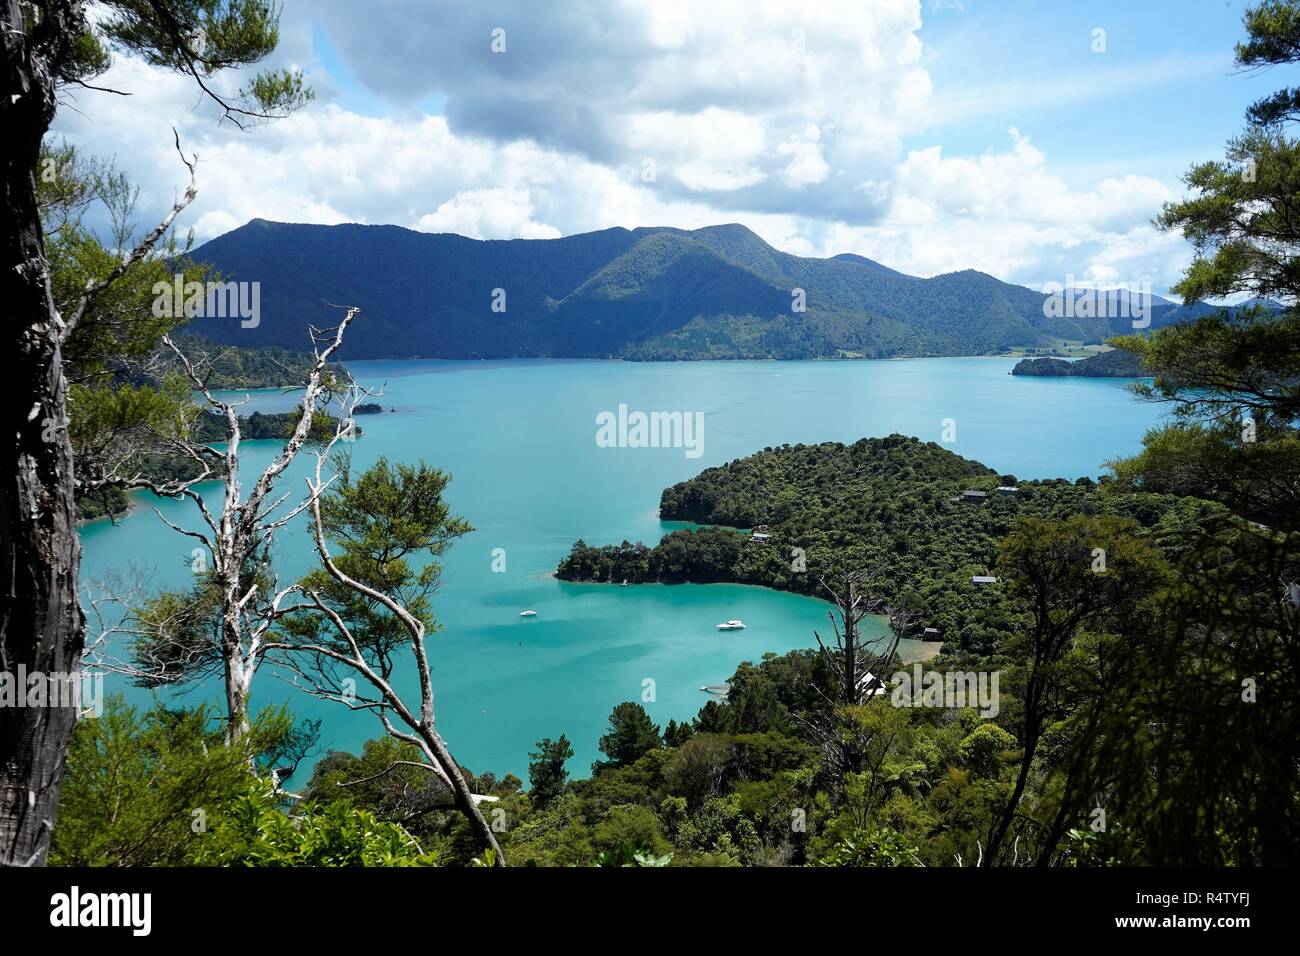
[851, 656]
[238, 537]
[856, 662]
[241, 636]
[107, 602]
[328, 670]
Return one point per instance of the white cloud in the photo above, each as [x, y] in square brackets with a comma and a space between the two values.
[713, 150]
[488, 213]
[1005, 213]
[790, 118]
[807, 165]
[717, 94]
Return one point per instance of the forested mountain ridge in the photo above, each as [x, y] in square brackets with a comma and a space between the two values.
[646, 293]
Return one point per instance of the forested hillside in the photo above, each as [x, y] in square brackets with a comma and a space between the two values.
[892, 506]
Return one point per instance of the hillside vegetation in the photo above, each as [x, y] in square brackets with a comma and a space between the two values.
[885, 504]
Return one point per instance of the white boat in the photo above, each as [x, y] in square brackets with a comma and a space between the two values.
[731, 626]
[528, 614]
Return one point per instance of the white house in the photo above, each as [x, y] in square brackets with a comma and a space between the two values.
[867, 679]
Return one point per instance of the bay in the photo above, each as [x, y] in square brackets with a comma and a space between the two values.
[519, 438]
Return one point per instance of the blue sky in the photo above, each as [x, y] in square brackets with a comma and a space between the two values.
[1163, 94]
[931, 136]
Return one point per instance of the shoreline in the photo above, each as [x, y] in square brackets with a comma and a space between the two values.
[677, 361]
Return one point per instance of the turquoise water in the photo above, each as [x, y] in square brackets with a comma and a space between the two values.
[520, 441]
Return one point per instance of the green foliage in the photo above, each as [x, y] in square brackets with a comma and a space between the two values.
[253, 831]
[1054, 565]
[873, 847]
[1228, 627]
[177, 633]
[631, 736]
[117, 426]
[720, 834]
[629, 854]
[161, 788]
[139, 786]
[1237, 217]
[985, 749]
[128, 400]
[200, 38]
[387, 527]
[546, 773]
[120, 328]
[1273, 27]
[676, 734]
[630, 825]
[337, 776]
[125, 430]
[1132, 684]
[698, 769]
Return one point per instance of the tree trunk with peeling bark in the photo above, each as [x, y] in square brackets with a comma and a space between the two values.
[41, 623]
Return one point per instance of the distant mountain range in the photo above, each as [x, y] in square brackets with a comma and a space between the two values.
[648, 293]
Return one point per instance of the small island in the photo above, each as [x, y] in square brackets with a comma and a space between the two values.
[225, 367]
[277, 426]
[1116, 363]
[237, 367]
[209, 428]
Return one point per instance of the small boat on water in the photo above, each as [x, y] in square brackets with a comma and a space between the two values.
[528, 614]
[731, 626]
